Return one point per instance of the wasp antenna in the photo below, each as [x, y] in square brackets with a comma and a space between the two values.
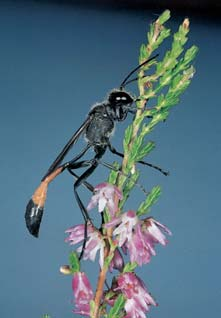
[135, 69]
[133, 80]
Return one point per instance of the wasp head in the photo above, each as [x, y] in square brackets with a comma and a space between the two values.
[119, 104]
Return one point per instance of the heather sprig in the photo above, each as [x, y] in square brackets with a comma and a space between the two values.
[131, 233]
[172, 74]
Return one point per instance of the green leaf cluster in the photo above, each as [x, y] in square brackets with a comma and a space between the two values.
[167, 78]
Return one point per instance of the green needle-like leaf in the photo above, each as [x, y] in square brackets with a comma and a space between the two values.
[74, 262]
[129, 267]
[150, 200]
[115, 311]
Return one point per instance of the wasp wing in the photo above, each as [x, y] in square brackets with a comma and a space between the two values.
[68, 146]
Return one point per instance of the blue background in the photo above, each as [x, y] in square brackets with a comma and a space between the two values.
[56, 61]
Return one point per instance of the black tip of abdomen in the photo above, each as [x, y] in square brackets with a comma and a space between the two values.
[33, 216]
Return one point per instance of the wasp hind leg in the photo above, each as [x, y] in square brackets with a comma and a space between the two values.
[81, 180]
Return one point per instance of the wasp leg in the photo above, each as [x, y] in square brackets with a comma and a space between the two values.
[109, 166]
[84, 212]
[114, 151]
[93, 163]
[85, 183]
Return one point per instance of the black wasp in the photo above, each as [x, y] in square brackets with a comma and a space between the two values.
[97, 129]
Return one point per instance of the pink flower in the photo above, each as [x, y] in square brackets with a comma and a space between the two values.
[139, 251]
[83, 293]
[76, 233]
[125, 230]
[105, 197]
[154, 229]
[146, 234]
[93, 245]
[138, 299]
[117, 262]
[138, 237]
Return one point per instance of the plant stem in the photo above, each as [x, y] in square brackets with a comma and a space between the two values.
[99, 291]
[102, 277]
